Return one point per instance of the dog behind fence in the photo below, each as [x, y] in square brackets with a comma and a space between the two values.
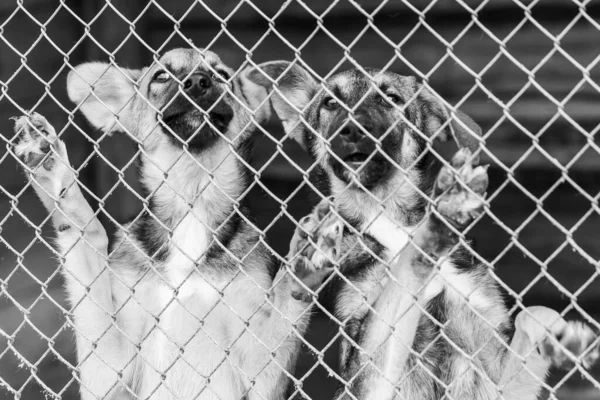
[192, 298]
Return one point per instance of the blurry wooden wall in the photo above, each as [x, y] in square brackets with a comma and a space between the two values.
[486, 64]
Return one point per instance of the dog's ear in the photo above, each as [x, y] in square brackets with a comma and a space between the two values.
[296, 86]
[461, 129]
[102, 91]
[464, 130]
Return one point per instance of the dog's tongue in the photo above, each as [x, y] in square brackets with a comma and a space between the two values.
[355, 164]
[355, 160]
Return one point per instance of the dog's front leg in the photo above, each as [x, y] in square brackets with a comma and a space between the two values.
[273, 340]
[281, 322]
[82, 248]
[543, 339]
[385, 338]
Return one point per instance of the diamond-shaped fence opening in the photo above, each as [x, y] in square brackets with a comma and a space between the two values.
[285, 220]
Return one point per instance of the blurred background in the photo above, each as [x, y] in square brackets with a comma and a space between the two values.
[525, 71]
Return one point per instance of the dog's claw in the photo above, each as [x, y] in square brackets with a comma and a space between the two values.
[580, 341]
[461, 199]
[317, 240]
[563, 343]
[36, 138]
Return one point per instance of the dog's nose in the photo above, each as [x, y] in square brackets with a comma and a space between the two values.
[197, 85]
[352, 133]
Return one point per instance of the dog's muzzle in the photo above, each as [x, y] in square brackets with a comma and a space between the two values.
[358, 149]
[202, 97]
[355, 141]
[201, 115]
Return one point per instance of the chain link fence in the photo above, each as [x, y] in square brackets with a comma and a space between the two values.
[525, 71]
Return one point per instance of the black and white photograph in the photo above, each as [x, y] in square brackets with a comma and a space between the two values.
[299, 200]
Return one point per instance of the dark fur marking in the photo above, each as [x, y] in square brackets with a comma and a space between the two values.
[441, 237]
[358, 267]
[290, 79]
[320, 179]
[201, 139]
[152, 236]
[384, 88]
[427, 341]
[463, 259]
[338, 94]
[309, 141]
[226, 233]
[353, 222]
[318, 116]
[63, 227]
[437, 308]
[427, 336]
[506, 330]
[355, 328]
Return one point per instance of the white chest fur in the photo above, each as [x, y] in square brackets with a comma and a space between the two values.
[395, 237]
[186, 339]
[189, 344]
[195, 193]
[389, 233]
[190, 240]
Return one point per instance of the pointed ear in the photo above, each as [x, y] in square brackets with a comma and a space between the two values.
[102, 91]
[461, 129]
[296, 88]
[465, 131]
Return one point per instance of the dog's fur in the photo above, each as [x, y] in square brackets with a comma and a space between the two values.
[188, 303]
[379, 174]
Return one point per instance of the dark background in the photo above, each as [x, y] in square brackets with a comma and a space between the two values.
[535, 96]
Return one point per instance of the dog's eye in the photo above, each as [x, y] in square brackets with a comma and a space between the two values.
[393, 97]
[161, 76]
[221, 74]
[331, 103]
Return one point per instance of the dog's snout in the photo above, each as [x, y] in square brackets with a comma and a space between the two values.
[197, 84]
[355, 132]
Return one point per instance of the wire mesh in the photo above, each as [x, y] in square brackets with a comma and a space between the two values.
[195, 297]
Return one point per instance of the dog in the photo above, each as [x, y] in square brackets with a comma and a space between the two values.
[421, 318]
[188, 302]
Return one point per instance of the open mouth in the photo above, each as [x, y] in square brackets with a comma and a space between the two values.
[355, 160]
[218, 120]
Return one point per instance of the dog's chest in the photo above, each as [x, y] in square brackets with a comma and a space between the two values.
[190, 207]
[354, 299]
[193, 234]
[189, 342]
[190, 240]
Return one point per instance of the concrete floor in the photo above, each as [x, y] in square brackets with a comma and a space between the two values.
[36, 350]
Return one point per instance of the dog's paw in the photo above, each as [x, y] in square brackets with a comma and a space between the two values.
[572, 343]
[316, 243]
[315, 247]
[563, 343]
[35, 140]
[461, 198]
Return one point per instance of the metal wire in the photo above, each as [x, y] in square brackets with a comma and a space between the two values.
[64, 357]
